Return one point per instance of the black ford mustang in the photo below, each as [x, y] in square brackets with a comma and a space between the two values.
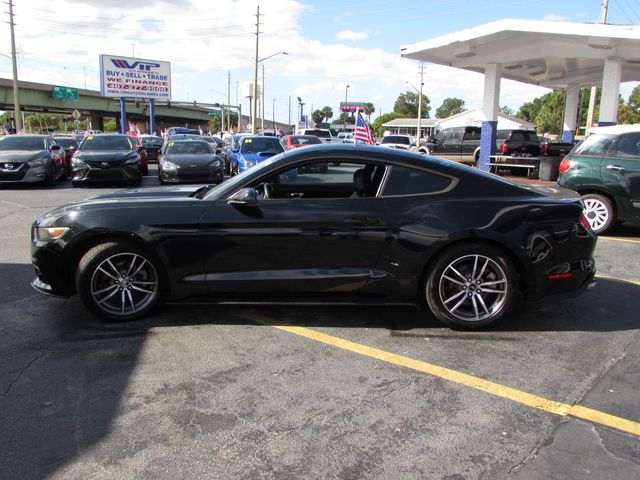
[365, 225]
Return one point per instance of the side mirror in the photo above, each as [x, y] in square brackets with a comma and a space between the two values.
[245, 196]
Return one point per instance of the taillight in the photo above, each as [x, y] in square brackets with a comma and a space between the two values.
[545, 150]
[565, 165]
[505, 148]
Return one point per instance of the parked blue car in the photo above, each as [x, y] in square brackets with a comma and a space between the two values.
[253, 150]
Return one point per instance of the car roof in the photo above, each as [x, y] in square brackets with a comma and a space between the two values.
[616, 129]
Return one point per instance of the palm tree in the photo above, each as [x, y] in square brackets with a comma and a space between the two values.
[368, 110]
[327, 113]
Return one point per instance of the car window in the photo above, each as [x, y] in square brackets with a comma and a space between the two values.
[628, 146]
[188, 148]
[66, 142]
[261, 144]
[399, 139]
[21, 142]
[409, 181]
[472, 134]
[106, 142]
[308, 140]
[595, 144]
[455, 135]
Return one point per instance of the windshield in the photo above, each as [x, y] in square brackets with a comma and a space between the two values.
[318, 133]
[151, 141]
[396, 139]
[66, 142]
[106, 142]
[594, 144]
[309, 140]
[188, 148]
[22, 143]
[261, 144]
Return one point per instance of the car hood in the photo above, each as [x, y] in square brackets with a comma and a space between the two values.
[258, 157]
[17, 156]
[195, 159]
[106, 155]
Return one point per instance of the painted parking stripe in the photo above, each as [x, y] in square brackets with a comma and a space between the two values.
[617, 279]
[615, 239]
[524, 398]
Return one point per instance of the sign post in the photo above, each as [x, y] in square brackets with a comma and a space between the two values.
[76, 116]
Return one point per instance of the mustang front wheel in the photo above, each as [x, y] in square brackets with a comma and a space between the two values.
[471, 286]
[118, 282]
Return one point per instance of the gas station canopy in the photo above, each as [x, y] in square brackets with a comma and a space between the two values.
[555, 55]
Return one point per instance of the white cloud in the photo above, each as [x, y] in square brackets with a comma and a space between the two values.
[552, 17]
[350, 35]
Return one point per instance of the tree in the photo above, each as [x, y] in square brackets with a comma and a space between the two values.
[450, 106]
[317, 117]
[368, 110]
[507, 110]
[407, 105]
[387, 117]
[327, 113]
[344, 118]
[545, 112]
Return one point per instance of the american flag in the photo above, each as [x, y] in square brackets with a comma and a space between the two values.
[363, 130]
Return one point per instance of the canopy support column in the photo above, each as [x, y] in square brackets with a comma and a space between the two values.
[610, 92]
[490, 108]
[570, 114]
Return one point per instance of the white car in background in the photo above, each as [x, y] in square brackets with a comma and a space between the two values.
[401, 142]
[322, 133]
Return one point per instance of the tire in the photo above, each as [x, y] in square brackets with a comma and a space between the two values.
[452, 287]
[145, 170]
[599, 212]
[50, 179]
[118, 281]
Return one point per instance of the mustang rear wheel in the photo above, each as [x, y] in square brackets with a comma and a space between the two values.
[599, 212]
[471, 286]
[118, 281]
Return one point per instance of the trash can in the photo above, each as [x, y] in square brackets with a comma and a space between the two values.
[548, 168]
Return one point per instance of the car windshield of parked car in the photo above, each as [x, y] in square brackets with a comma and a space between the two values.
[188, 148]
[594, 144]
[20, 142]
[261, 144]
[306, 140]
[398, 139]
[66, 142]
[318, 133]
[151, 141]
[106, 142]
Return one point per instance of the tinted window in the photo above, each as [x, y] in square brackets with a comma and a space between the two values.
[318, 133]
[66, 142]
[628, 146]
[188, 148]
[261, 144]
[307, 140]
[407, 181]
[151, 141]
[472, 134]
[455, 134]
[595, 144]
[396, 139]
[20, 142]
[106, 142]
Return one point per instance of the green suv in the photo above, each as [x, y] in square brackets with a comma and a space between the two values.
[605, 169]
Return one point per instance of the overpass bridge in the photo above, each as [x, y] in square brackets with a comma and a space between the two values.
[38, 98]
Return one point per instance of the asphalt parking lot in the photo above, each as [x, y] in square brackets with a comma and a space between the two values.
[315, 392]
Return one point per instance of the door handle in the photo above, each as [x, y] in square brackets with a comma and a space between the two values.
[361, 220]
[616, 168]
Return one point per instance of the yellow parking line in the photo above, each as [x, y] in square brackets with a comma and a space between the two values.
[615, 239]
[496, 389]
[617, 279]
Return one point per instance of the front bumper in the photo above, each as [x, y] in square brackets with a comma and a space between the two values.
[111, 173]
[22, 173]
[197, 175]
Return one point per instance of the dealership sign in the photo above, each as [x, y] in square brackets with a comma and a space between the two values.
[351, 106]
[134, 77]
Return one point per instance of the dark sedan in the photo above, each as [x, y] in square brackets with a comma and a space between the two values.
[190, 161]
[152, 146]
[30, 159]
[70, 146]
[107, 158]
[383, 226]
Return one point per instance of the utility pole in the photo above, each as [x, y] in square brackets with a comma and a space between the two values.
[255, 76]
[420, 105]
[594, 89]
[228, 100]
[289, 111]
[16, 100]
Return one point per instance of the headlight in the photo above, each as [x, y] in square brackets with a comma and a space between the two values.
[215, 163]
[132, 160]
[38, 162]
[76, 161]
[169, 166]
[50, 234]
[249, 164]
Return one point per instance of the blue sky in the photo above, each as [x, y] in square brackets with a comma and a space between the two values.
[330, 44]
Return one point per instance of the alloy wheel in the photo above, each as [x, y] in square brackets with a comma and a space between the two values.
[473, 288]
[596, 212]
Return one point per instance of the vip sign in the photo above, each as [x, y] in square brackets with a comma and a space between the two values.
[134, 77]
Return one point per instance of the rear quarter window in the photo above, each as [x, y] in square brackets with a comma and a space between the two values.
[409, 181]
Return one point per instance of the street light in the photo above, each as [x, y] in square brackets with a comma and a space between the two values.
[419, 110]
[255, 88]
[273, 115]
[346, 96]
[221, 109]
